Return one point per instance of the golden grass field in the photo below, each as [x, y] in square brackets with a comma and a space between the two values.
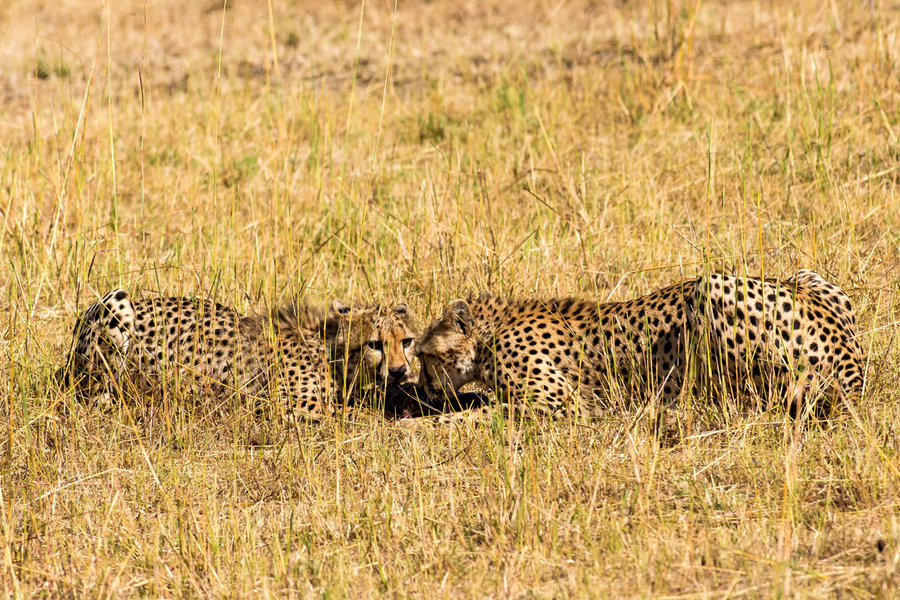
[419, 151]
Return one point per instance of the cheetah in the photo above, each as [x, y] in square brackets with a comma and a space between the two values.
[737, 334]
[303, 353]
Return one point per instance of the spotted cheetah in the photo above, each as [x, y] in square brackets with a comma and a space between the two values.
[736, 334]
[298, 352]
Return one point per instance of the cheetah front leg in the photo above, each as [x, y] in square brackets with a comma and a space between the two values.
[542, 388]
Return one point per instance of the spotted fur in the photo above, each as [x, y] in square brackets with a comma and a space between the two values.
[303, 353]
[718, 334]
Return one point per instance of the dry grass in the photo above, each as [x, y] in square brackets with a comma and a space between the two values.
[553, 147]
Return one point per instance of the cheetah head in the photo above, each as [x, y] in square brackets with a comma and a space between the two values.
[447, 351]
[373, 344]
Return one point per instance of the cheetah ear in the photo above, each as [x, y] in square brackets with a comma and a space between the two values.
[334, 316]
[402, 308]
[458, 313]
[338, 308]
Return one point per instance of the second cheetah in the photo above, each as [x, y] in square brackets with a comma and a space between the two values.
[737, 334]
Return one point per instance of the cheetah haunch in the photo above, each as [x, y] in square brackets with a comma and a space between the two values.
[721, 334]
[304, 354]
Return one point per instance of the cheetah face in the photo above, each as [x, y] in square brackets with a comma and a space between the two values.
[447, 352]
[397, 338]
[374, 345]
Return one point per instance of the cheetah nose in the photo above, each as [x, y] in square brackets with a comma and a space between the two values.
[397, 373]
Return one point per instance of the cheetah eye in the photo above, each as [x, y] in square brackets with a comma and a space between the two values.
[374, 345]
[408, 342]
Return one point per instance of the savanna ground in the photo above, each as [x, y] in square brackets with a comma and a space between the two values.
[419, 151]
